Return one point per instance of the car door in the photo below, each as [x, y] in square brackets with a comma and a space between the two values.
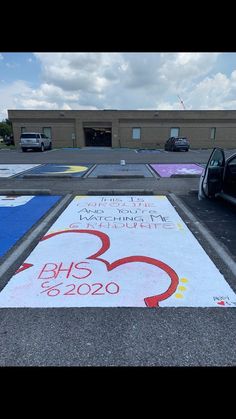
[229, 182]
[211, 180]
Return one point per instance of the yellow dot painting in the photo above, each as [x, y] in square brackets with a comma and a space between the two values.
[183, 280]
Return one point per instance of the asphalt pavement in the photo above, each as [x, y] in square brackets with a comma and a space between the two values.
[123, 336]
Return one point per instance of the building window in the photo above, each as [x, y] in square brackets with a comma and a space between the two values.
[136, 133]
[22, 129]
[213, 133]
[174, 132]
[48, 132]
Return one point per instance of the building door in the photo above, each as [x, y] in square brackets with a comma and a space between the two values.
[48, 132]
[97, 137]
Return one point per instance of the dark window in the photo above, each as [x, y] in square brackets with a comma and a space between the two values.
[218, 159]
[29, 136]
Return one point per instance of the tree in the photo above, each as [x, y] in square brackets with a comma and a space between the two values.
[5, 128]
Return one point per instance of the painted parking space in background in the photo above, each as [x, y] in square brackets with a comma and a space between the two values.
[167, 170]
[8, 170]
[59, 169]
[109, 251]
[127, 169]
[18, 214]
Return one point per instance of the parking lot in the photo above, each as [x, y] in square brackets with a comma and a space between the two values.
[114, 264]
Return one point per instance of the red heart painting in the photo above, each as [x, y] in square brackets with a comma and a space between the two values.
[150, 301]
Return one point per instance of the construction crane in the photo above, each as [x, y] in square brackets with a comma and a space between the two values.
[181, 101]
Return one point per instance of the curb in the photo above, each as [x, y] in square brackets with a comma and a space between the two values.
[120, 176]
[25, 191]
[186, 176]
[46, 176]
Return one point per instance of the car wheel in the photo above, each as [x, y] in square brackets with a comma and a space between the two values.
[42, 147]
[50, 146]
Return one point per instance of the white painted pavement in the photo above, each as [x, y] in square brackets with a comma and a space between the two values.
[8, 170]
[117, 251]
[14, 200]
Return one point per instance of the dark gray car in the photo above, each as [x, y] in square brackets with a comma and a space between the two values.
[177, 144]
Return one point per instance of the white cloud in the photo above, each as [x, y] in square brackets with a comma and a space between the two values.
[213, 93]
[10, 95]
[1, 57]
[124, 81]
[20, 95]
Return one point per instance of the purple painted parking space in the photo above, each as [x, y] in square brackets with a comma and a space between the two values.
[167, 170]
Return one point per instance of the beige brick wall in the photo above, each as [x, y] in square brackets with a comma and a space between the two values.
[155, 126]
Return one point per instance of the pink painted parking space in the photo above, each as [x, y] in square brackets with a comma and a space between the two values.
[168, 170]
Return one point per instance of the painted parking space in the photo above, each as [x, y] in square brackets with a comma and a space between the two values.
[110, 170]
[59, 169]
[168, 170]
[9, 170]
[18, 214]
[126, 251]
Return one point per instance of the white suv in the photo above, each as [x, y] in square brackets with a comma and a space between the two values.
[35, 140]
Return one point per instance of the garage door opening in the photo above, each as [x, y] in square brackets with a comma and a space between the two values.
[97, 137]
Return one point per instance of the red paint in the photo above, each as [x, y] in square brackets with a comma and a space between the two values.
[83, 293]
[44, 270]
[100, 286]
[114, 292]
[23, 267]
[56, 269]
[49, 289]
[53, 291]
[151, 301]
[221, 303]
[70, 291]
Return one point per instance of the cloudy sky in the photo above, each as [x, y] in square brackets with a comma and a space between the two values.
[117, 81]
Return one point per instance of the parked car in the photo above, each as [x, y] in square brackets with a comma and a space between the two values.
[219, 177]
[177, 144]
[35, 140]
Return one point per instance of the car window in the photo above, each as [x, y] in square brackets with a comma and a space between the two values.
[28, 136]
[232, 162]
[217, 159]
